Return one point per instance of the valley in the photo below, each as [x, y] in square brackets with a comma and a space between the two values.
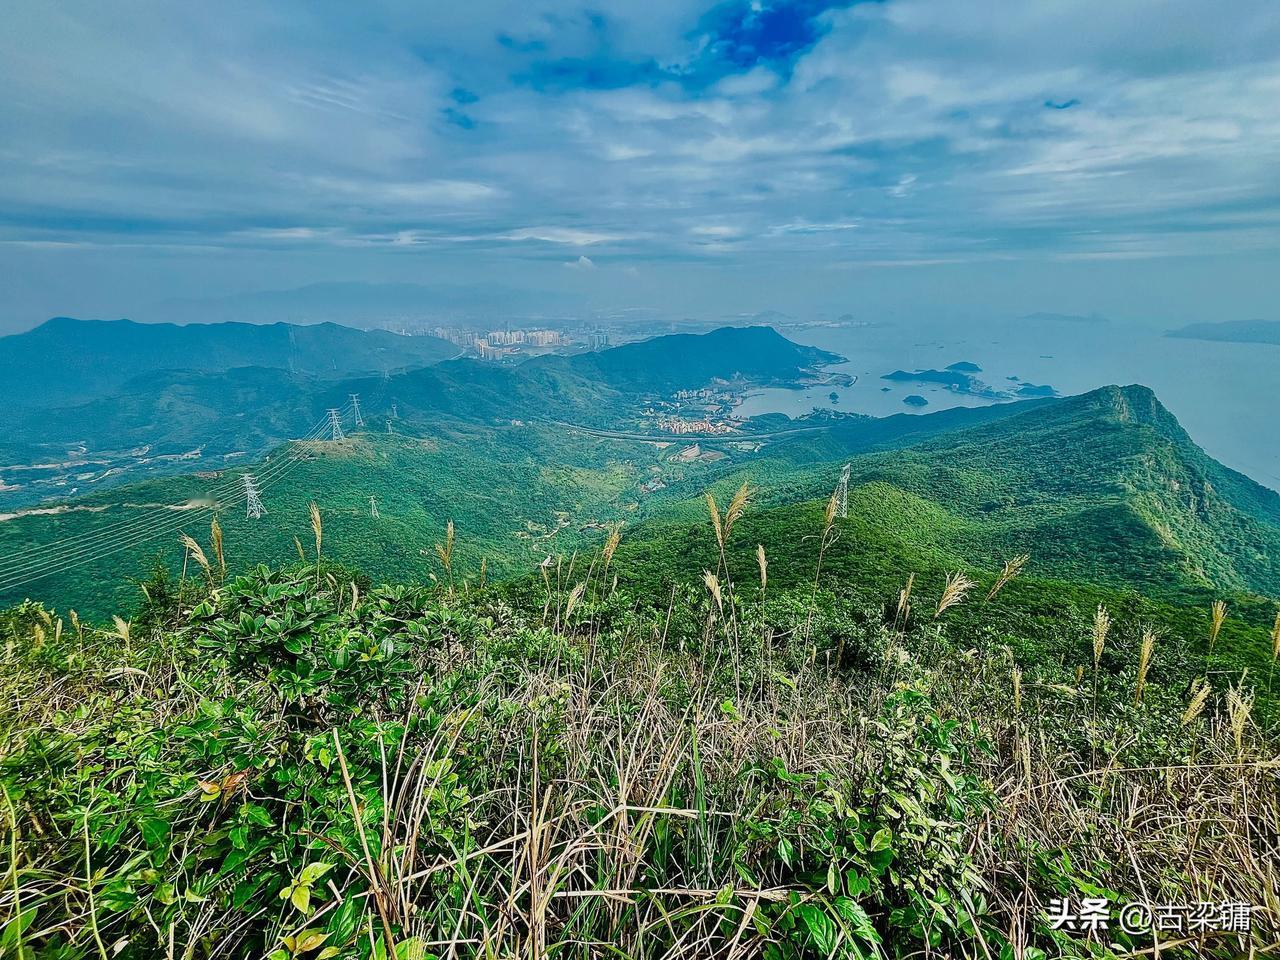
[545, 458]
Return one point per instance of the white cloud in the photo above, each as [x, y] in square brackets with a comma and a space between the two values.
[565, 235]
[303, 125]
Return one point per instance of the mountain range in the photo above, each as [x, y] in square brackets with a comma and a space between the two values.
[66, 360]
[163, 398]
[1105, 488]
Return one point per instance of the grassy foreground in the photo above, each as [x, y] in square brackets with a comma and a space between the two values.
[296, 763]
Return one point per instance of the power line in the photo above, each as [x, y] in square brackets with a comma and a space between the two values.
[29, 567]
[69, 562]
[127, 525]
[226, 489]
[143, 529]
[253, 499]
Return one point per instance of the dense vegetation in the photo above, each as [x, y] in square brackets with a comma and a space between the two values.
[758, 760]
[1104, 487]
[464, 715]
[167, 411]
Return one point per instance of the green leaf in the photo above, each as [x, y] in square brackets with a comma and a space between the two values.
[301, 898]
[15, 928]
[257, 814]
[822, 931]
[155, 833]
[310, 939]
[344, 921]
[313, 872]
[415, 948]
[882, 840]
[786, 852]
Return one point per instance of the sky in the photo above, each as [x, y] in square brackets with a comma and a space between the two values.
[948, 158]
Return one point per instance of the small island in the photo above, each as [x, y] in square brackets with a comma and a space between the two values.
[1231, 331]
[960, 378]
[915, 400]
[1031, 390]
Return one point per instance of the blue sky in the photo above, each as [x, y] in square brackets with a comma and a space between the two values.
[684, 157]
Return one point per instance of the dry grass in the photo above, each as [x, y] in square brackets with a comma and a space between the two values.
[954, 591]
[1011, 570]
[622, 801]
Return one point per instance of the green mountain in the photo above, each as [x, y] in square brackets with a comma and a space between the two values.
[598, 388]
[758, 354]
[473, 441]
[497, 677]
[162, 421]
[65, 360]
[1106, 486]
[538, 458]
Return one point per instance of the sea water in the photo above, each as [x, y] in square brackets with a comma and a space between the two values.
[1226, 395]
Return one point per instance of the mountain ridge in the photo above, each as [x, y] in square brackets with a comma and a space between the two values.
[93, 358]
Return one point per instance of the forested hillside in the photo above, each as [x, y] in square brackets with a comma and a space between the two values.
[1104, 487]
[499, 680]
[162, 420]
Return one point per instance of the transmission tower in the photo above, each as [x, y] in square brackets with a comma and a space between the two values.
[335, 425]
[389, 430]
[253, 499]
[355, 404]
[842, 492]
[395, 411]
[373, 507]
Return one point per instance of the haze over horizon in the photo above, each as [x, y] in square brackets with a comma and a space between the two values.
[711, 159]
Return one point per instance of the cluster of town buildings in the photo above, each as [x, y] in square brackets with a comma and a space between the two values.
[518, 337]
[680, 425]
[706, 393]
[509, 341]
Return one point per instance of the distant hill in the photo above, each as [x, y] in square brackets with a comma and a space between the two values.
[587, 387]
[354, 303]
[1231, 331]
[759, 354]
[66, 360]
[244, 410]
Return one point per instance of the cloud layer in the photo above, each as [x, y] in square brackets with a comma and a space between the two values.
[743, 132]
